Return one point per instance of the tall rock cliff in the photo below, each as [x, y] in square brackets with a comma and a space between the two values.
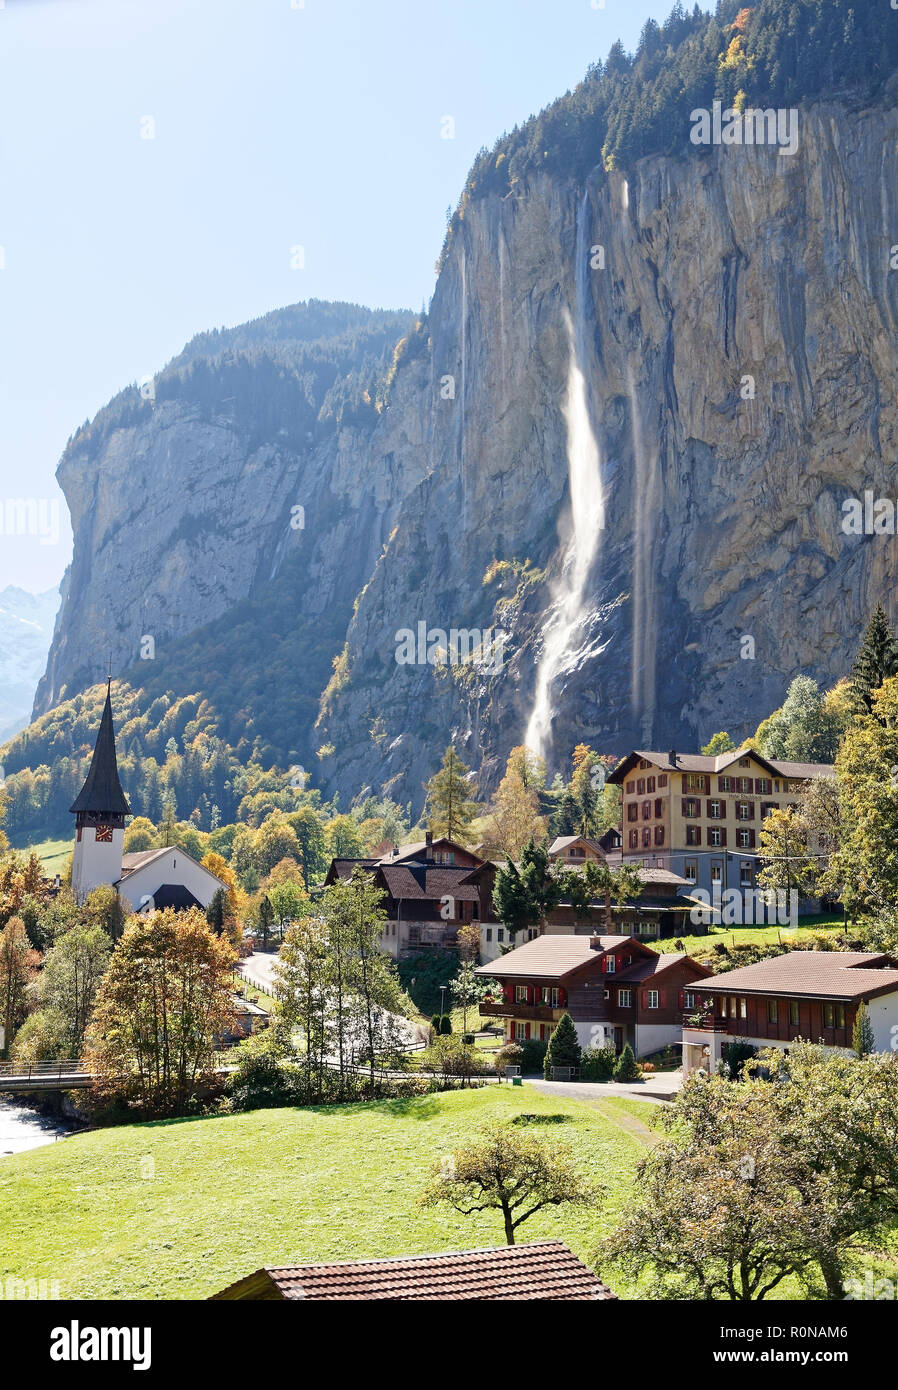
[737, 334]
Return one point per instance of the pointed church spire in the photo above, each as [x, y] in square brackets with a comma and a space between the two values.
[102, 793]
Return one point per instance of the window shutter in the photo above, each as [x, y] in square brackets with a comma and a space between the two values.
[684, 805]
[682, 998]
[645, 998]
[751, 839]
[526, 1030]
[751, 810]
[723, 835]
[658, 808]
[708, 805]
[698, 834]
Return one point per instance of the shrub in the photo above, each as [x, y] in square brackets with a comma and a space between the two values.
[647, 1067]
[435, 1023]
[625, 1068]
[597, 1063]
[445, 1025]
[533, 1055]
[511, 1055]
[735, 1055]
[468, 1039]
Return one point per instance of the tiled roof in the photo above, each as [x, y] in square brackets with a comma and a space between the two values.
[647, 966]
[542, 1269]
[420, 881]
[821, 974]
[562, 842]
[549, 957]
[342, 868]
[698, 762]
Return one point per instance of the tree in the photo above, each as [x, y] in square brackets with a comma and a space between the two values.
[353, 910]
[514, 817]
[343, 838]
[140, 835]
[625, 1068]
[469, 941]
[104, 906]
[289, 900]
[265, 918]
[217, 911]
[161, 1008]
[168, 828]
[806, 728]
[219, 866]
[510, 1171]
[68, 984]
[18, 971]
[450, 810]
[717, 1212]
[275, 840]
[582, 887]
[788, 864]
[862, 1039]
[719, 743]
[466, 988]
[301, 978]
[877, 661]
[564, 1048]
[863, 867]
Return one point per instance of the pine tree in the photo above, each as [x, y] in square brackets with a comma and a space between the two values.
[625, 1068]
[862, 1039]
[564, 1050]
[876, 660]
[450, 808]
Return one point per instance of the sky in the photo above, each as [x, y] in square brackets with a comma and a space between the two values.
[161, 159]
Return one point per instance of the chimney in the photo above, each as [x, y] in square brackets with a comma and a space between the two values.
[595, 943]
[672, 757]
[428, 843]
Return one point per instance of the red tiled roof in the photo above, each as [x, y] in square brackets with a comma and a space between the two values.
[541, 1269]
[820, 974]
[549, 957]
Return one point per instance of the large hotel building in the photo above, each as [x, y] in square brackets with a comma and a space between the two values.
[700, 816]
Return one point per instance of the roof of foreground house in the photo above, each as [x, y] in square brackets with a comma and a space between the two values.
[541, 1269]
[821, 974]
[550, 957]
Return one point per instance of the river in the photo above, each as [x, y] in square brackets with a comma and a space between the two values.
[22, 1128]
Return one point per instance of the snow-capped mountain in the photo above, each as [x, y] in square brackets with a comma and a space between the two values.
[26, 628]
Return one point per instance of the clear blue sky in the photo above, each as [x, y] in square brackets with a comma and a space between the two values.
[276, 124]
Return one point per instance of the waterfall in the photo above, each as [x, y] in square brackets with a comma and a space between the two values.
[562, 633]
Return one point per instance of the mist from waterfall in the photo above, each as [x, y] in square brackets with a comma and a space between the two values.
[563, 637]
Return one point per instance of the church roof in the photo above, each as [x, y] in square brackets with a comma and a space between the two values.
[102, 792]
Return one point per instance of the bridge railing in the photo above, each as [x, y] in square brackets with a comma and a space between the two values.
[29, 1071]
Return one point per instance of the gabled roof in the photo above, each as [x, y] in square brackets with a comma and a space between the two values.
[551, 957]
[698, 762]
[844, 975]
[563, 842]
[102, 793]
[541, 1269]
[430, 881]
[649, 967]
[133, 863]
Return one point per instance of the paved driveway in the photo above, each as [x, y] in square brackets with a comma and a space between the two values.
[658, 1091]
[259, 967]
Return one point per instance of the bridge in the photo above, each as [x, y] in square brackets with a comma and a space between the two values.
[67, 1075]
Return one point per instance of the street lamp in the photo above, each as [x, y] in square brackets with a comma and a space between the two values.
[443, 989]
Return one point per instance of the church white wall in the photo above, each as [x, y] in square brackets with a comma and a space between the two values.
[172, 867]
[95, 863]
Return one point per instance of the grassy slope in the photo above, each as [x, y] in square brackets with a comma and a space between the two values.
[52, 854]
[275, 1187]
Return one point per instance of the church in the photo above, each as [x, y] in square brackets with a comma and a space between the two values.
[155, 878]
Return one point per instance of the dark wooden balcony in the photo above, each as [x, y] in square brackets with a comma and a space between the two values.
[537, 1013]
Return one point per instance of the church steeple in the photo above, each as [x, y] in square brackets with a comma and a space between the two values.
[100, 809]
[102, 793]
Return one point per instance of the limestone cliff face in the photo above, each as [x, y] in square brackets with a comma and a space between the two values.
[723, 507]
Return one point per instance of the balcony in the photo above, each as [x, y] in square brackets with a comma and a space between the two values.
[703, 1021]
[538, 1013]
